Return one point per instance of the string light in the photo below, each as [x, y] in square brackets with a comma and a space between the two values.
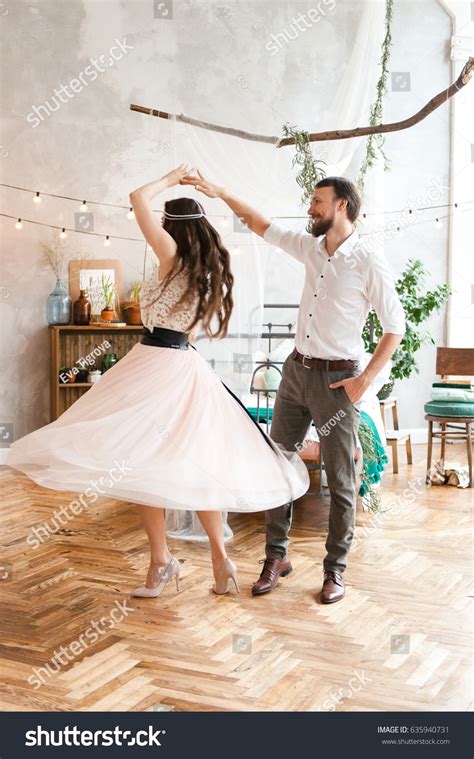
[225, 217]
[235, 249]
[66, 229]
[131, 213]
[37, 198]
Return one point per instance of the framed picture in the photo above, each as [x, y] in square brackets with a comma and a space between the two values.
[87, 275]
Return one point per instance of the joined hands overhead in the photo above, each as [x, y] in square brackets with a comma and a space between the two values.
[176, 176]
[202, 184]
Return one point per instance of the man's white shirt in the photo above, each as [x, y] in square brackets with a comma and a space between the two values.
[338, 293]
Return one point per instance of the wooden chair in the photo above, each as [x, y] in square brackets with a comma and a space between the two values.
[389, 404]
[455, 362]
[395, 437]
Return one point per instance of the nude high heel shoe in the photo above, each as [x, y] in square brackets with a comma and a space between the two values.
[161, 574]
[227, 571]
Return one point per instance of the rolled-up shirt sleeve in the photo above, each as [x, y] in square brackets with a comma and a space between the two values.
[382, 295]
[294, 243]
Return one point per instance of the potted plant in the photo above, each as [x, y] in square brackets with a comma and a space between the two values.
[131, 307]
[109, 292]
[418, 304]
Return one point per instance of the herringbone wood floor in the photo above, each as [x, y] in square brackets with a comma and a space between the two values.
[400, 640]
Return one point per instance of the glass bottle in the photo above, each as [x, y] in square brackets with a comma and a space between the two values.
[58, 307]
[108, 360]
[82, 309]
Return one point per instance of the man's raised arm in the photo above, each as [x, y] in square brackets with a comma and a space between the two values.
[255, 221]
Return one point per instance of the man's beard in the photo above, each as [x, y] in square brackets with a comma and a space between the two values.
[321, 227]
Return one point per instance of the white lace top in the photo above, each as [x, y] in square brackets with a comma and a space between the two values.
[156, 304]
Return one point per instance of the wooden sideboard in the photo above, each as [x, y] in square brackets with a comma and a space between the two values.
[70, 344]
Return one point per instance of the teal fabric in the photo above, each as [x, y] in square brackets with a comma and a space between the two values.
[452, 395]
[373, 467]
[262, 414]
[449, 408]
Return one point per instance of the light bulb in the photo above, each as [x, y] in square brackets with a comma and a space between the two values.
[63, 234]
[37, 198]
[19, 225]
[130, 214]
[226, 222]
[83, 206]
[107, 241]
[438, 224]
[236, 251]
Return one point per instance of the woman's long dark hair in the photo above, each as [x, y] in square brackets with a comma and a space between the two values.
[201, 252]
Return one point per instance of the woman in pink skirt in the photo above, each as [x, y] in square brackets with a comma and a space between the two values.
[161, 419]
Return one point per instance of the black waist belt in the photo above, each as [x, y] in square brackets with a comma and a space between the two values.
[165, 338]
[169, 338]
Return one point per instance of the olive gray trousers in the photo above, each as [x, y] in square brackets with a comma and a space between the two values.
[304, 395]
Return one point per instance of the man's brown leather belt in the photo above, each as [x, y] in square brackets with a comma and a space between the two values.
[321, 363]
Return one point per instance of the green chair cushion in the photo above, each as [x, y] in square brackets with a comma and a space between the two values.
[449, 408]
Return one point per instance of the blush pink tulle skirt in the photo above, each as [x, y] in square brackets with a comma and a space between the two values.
[160, 429]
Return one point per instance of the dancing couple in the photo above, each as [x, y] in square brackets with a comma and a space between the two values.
[186, 440]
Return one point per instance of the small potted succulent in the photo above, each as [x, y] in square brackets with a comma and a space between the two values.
[108, 291]
[131, 307]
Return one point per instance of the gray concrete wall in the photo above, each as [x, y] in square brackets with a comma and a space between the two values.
[210, 60]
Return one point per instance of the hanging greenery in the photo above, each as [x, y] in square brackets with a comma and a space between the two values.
[311, 168]
[375, 143]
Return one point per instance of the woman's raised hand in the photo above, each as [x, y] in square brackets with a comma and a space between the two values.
[202, 184]
[174, 177]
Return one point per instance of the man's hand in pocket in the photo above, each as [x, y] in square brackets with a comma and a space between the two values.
[355, 387]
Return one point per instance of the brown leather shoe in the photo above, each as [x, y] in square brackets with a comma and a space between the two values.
[333, 587]
[272, 570]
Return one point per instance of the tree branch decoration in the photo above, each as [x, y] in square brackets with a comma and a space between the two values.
[204, 124]
[337, 134]
[375, 142]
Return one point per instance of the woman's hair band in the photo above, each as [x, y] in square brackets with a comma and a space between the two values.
[175, 216]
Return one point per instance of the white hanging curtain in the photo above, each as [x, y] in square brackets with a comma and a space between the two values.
[264, 177]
